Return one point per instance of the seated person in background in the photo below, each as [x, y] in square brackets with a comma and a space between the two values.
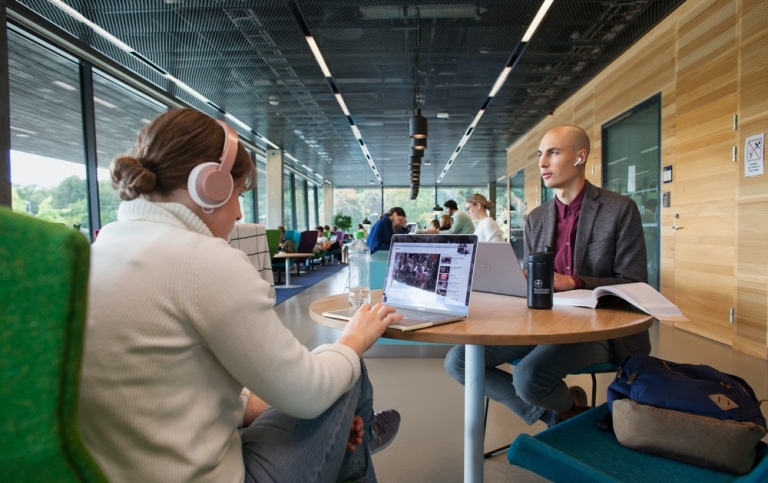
[462, 223]
[360, 227]
[446, 222]
[381, 232]
[594, 234]
[183, 347]
[486, 228]
[322, 243]
[285, 245]
[434, 226]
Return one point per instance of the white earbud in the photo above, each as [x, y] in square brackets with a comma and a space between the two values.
[578, 161]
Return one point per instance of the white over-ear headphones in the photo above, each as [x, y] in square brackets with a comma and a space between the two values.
[210, 184]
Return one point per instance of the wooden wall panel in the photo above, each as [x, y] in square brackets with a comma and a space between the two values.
[706, 56]
[637, 75]
[751, 321]
[668, 150]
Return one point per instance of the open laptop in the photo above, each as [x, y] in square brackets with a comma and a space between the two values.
[497, 270]
[428, 279]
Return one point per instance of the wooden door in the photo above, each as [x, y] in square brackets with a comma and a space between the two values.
[705, 208]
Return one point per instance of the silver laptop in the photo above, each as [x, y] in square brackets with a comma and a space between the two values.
[497, 270]
[428, 279]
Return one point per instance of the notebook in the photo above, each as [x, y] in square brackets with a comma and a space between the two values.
[497, 270]
[428, 280]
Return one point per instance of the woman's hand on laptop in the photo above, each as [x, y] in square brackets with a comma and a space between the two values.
[368, 324]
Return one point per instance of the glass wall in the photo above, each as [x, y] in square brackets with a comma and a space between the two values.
[631, 166]
[121, 113]
[301, 205]
[312, 203]
[261, 192]
[289, 221]
[359, 203]
[48, 178]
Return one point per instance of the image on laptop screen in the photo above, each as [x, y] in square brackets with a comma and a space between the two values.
[430, 272]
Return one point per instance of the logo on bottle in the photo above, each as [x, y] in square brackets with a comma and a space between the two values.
[538, 287]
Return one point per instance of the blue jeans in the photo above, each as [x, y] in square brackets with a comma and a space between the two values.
[279, 448]
[537, 384]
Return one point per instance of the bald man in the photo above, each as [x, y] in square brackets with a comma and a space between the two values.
[597, 238]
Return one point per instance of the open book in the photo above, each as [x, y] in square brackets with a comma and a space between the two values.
[639, 294]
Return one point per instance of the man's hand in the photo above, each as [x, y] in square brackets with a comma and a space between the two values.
[564, 282]
[355, 434]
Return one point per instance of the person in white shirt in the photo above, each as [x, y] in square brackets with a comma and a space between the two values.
[188, 374]
[486, 228]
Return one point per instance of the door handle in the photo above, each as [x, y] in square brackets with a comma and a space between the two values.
[675, 226]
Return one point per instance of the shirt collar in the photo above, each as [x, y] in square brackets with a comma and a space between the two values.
[572, 207]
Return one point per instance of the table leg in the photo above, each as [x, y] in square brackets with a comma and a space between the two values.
[288, 276]
[474, 382]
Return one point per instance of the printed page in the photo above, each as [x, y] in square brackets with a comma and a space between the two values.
[644, 297]
[578, 298]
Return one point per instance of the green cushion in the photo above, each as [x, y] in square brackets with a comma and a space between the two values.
[44, 281]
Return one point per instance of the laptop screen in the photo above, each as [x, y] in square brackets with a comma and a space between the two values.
[430, 272]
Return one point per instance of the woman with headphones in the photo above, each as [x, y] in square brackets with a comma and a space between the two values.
[188, 374]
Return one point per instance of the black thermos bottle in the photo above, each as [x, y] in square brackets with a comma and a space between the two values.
[541, 279]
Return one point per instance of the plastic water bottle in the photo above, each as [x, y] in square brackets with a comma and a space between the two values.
[359, 272]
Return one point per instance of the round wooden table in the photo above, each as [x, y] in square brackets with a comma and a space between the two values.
[501, 320]
[287, 257]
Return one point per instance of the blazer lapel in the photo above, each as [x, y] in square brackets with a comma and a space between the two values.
[587, 217]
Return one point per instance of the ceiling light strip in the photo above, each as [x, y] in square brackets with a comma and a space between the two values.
[127, 48]
[296, 12]
[511, 62]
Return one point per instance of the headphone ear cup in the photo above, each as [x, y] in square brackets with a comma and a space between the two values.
[208, 186]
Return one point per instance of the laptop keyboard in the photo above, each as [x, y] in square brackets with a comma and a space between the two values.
[417, 315]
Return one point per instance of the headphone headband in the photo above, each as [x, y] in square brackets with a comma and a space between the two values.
[229, 151]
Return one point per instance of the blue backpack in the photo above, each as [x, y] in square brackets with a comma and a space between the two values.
[688, 388]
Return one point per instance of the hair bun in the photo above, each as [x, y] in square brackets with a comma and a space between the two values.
[131, 178]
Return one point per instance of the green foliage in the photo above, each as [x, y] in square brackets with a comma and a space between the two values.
[344, 222]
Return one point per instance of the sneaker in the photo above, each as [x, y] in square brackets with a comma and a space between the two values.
[385, 426]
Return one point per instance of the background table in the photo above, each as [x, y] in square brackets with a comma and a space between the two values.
[287, 257]
[501, 320]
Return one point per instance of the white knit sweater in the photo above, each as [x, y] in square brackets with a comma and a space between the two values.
[178, 324]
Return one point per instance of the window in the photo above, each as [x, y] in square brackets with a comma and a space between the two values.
[48, 176]
[288, 202]
[301, 204]
[121, 113]
[261, 193]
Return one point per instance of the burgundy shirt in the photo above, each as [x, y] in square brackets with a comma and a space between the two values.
[565, 235]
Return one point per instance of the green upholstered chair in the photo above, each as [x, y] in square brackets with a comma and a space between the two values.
[575, 451]
[273, 242]
[44, 282]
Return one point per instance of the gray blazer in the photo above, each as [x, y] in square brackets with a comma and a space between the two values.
[609, 249]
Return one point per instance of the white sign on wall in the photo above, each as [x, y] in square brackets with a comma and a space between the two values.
[754, 155]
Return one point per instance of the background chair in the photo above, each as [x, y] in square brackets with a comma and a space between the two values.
[604, 368]
[273, 243]
[44, 283]
[575, 451]
[307, 242]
